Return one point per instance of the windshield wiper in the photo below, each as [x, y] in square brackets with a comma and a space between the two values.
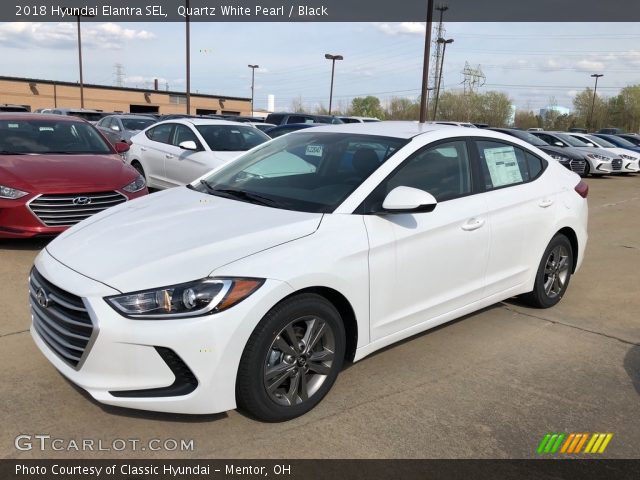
[244, 195]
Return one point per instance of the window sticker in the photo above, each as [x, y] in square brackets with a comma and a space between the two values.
[314, 150]
[503, 166]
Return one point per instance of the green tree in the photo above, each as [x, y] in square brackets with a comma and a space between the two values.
[367, 107]
[402, 109]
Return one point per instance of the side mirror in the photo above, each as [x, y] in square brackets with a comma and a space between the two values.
[188, 145]
[115, 128]
[558, 144]
[408, 200]
[121, 147]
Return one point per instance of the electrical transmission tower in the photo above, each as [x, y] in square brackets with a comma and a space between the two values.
[436, 57]
[118, 73]
[474, 78]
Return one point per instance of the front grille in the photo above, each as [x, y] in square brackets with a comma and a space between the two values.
[60, 318]
[616, 164]
[64, 210]
[578, 166]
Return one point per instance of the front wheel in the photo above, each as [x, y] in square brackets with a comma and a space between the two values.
[553, 275]
[291, 359]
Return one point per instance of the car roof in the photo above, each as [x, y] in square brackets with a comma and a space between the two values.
[398, 129]
[39, 116]
[201, 121]
[130, 115]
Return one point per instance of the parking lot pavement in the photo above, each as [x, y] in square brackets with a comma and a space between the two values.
[490, 385]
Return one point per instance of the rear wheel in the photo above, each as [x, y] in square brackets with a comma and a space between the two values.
[291, 359]
[554, 273]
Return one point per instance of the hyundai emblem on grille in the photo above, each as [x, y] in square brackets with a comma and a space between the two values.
[82, 201]
[42, 298]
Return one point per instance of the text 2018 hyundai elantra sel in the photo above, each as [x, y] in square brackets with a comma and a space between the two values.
[56, 171]
[252, 285]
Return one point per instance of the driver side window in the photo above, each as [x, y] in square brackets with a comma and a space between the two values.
[443, 170]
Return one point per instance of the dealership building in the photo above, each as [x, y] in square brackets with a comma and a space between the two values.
[36, 93]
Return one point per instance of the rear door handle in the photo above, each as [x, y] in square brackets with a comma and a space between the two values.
[168, 155]
[143, 149]
[473, 224]
[547, 202]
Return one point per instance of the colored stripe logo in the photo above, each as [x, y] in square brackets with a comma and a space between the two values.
[568, 443]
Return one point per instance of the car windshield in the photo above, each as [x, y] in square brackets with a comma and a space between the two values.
[529, 138]
[600, 141]
[88, 116]
[136, 123]
[231, 138]
[309, 172]
[50, 136]
[573, 141]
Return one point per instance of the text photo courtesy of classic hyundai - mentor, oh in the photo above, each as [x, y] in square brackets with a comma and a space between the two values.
[251, 286]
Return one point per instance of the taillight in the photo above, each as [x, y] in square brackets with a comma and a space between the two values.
[582, 189]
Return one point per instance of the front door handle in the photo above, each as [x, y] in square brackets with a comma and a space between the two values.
[473, 224]
[547, 202]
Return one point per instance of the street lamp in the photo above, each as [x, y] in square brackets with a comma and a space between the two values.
[333, 59]
[80, 60]
[593, 100]
[444, 49]
[253, 78]
[188, 60]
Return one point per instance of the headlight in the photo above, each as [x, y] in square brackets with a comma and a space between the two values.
[209, 295]
[11, 193]
[560, 158]
[599, 157]
[628, 157]
[135, 186]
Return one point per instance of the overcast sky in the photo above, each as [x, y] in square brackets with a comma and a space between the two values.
[531, 62]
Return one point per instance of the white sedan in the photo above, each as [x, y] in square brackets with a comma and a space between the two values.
[252, 286]
[176, 152]
[630, 160]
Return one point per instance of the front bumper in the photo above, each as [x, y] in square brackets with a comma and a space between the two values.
[18, 221]
[125, 355]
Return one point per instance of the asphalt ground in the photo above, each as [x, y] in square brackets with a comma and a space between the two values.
[489, 385]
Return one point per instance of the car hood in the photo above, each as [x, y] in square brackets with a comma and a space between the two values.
[64, 173]
[174, 236]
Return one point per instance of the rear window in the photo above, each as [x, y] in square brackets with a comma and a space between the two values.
[231, 138]
[136, 123]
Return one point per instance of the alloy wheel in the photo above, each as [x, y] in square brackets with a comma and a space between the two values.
[556, 271]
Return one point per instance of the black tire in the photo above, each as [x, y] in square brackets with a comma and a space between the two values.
[552, 277]
[136, 164]
[262, 355]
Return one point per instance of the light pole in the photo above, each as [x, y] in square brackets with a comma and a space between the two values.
[80, 60]
[188, 60]
[333, 59]
[425, 62]
[253, 79]
[593, 100]
[444, 49]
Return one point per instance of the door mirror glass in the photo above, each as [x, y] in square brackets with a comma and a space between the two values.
[408, 200]
[188, 145]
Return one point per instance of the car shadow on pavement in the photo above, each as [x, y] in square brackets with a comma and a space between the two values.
[33, 244]
[145, 414]
[632, 366]
[349, 364]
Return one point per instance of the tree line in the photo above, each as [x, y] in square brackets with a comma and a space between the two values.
[494, 108]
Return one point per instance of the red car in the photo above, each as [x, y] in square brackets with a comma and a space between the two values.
[56, 171]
